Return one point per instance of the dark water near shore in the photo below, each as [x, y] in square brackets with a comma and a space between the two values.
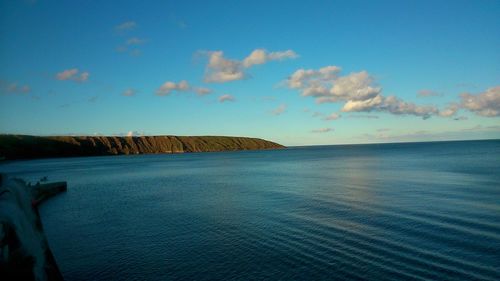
[415, 211]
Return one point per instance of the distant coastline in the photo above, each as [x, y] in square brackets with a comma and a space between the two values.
[14, 147]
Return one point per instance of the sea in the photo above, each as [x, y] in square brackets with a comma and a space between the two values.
[401, 211]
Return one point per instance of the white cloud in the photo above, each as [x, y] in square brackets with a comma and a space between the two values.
[258, 56]
[333, 116]
[220, 69]
[14, 88]
[128, 25]
[133, 134]
[449, 111]
[200, 91]
[67, 74]
[226, 97]
[362, 105]
[310, 76]
[358, 91]
[428, 93]
[279, 110]
[169, 86]
[322, 130]
[261, 56]
[73, 74]
[129, 92]
[182, 86]
[484, 104]
[390, 104]
[353, 87]
[397, 106]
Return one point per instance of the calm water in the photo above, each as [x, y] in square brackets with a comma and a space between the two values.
[422, 211]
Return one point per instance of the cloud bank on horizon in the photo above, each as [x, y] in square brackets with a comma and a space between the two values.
[359, 92]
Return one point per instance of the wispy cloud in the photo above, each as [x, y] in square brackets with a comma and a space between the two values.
[178, 22]
[130, 45]
[317, 114]
[135, 52]
[333, 116]
[450, 110]
[419, 135]
[129, 92]
[466, 85]
[135, 41]
[121, 49]
[201, 91]
[226, 98]
[181, 24]
[14, 88]
[279, 110]
[322, 130]
[483, 128]
[125, 26]
[73, 74]
[428, 93]
[220, 69]
[261, 56]
[362, 116]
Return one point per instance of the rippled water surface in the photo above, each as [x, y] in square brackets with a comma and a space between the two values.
[416, 211]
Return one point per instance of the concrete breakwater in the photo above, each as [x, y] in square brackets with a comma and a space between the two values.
[24, 251]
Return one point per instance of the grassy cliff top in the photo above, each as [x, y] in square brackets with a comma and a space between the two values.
[29, 147]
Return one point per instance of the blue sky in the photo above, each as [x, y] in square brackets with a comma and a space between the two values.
[295, 72]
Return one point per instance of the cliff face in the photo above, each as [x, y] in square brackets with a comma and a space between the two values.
[27, 147]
